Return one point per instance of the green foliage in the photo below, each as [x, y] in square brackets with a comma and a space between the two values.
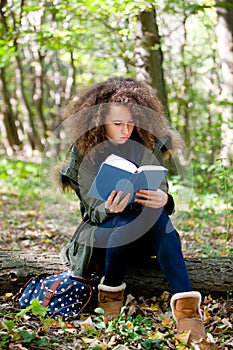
[126, 328]
[216, 179]
[19, 177]
[55, 38]
[134, 330]
[10, 331]
[36, 308]
[194, 89]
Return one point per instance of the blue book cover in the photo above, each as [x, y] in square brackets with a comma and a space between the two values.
[119, 174]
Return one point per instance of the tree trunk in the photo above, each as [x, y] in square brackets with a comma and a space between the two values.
[39, 92]
[8, 114]
[185, 113]
[28, 122]
[148, 55]
[207, 274]
[70, 81]
[224, 32]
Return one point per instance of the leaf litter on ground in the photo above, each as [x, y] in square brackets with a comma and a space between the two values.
[140, 325]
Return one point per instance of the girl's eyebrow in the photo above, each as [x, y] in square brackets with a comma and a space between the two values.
[122, 121]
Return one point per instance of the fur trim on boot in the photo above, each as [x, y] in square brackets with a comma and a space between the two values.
[187, 314]
[110, 299]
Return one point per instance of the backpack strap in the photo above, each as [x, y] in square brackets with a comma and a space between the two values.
[50, 292]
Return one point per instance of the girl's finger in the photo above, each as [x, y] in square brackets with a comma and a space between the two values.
[111, 196]
[117, 198]
[125, 200]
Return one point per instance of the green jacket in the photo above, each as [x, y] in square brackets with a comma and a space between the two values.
[77, 254]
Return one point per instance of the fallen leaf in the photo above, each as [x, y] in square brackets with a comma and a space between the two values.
[16, 347]
[8, 295]
[87, 340]
[155, 335]
[183, 337]
[168, 322]
[129, 299]
[129, 326]
[205, 345]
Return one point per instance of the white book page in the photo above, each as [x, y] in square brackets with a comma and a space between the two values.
[151, 167]
[121, 163]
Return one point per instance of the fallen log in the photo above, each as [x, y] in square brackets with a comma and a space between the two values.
[208, 275]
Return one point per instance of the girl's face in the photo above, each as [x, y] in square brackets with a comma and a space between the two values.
[119, 124]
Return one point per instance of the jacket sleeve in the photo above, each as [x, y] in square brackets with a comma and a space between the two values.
[80, 176]
[162, 146]
[170, 206]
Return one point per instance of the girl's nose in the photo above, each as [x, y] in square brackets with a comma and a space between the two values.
[125, 128]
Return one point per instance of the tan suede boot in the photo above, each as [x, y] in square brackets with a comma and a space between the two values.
[186, 312]
[110, 299]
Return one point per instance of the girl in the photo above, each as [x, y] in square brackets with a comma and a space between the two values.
[124, 117]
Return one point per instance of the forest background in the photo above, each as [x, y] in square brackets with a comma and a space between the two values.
[50, 50]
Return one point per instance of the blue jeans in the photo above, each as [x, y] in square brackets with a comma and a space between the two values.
[135, 234]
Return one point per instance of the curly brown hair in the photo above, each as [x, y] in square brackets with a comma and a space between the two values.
[85, 114]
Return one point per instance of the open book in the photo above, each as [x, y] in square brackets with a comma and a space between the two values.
[117, 173]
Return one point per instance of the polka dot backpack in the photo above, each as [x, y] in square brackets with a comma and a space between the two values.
[63, 293]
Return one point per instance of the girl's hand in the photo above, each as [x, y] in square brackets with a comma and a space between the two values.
[115, 204]
[153, 199]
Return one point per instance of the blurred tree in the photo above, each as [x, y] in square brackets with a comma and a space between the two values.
[7, 108]
[149, 56]
[224, 31]
[192, 75]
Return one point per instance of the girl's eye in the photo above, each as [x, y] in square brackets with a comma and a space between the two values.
[121, 124]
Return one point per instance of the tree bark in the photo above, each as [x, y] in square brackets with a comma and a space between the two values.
[38, 95]
[224, 32]
[185, 113]
[8, 114]
[207, 274]
[28, 115]
[148, 55]
[70, 81]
